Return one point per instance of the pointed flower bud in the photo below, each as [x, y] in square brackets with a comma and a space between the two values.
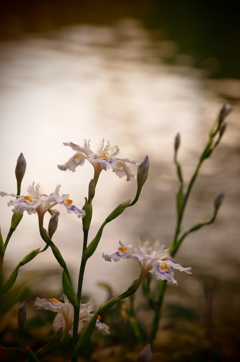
[218, 200]
[20, 170]
[29, 257]
[146, 354]
[53, 223]
[22, 314]
[177, 142]
[118, 211]
[222, 129]
[224, 112]
[142, 173]
[86, 220]
[91, 190]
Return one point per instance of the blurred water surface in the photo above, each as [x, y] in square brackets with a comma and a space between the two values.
[90, 82]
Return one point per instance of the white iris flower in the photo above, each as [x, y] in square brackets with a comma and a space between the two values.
[65, 314]
[155, 260]
[103, 159]
[37, 202]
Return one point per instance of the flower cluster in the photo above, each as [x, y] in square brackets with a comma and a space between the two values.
[155, 260]
[104, 158]
[65, 314]
[37, 201]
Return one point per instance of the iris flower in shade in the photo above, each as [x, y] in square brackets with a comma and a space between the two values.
[65, 314]
[104, 158]
[155, 260]
[37, 202]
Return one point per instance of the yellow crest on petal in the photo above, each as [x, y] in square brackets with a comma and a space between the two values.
[124, 250]
[54, 300]
[163, 266]
[28, 198]
[68, 201]
[104, 156]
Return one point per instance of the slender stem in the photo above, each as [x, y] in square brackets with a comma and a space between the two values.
[11, 231]
[54, 248]
[79, 294]
[158, 311]
[185, 199]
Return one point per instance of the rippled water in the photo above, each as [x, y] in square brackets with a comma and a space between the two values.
[94, 83]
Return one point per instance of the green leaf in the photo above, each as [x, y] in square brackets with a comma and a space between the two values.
[68, 289]
[11, 280]
[86, 336]
[1, 243]
[180, 198]
[16, 218]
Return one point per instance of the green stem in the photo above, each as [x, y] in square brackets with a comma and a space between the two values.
[158, 311]
[185, 199]
[86, 336]
[196, 227]
[133, 321]
[79, 294]
[31, 355]
[54, 248]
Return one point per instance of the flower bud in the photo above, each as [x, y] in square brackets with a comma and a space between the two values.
[142, 173]
[68, 289]
[224, 112]
[118, 211]
[218, 200]
[29, 257]
[16, 218]
[22, 314]
[91, 190]
[222, 129]
[20, 171]
[177, 142]
[86, 220]
[53, 223]
[146, 354]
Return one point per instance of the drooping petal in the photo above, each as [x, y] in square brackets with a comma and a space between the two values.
[104, 328]
[72, 208]
[163, 272]
[52, 304]
[179, 267]
[26, 203]
[121, 169]
[73, 162]
[125, 251]
[2, 193]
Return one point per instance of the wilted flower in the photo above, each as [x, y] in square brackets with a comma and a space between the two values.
[65, 314]
[155, 260]
[104, 158]
[37, 201]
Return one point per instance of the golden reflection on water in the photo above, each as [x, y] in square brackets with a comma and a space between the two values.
[95, 83]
